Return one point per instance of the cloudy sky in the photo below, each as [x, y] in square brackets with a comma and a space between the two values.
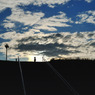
[49, 28]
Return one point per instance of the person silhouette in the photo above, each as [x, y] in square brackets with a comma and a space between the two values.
[34, 59]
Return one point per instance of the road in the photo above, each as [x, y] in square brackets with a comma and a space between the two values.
[39, 79]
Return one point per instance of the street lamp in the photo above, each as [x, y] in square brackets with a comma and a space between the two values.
[6, 46]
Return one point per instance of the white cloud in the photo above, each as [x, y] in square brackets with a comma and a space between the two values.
[51, 23]
[8, 35]
[8, 24]
[13, 3]
[89, 1]
[50, 2]
[88, 17]
[27, 18]
[35, 19]
[20, 16]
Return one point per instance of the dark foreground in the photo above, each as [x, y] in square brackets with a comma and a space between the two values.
[41, 80]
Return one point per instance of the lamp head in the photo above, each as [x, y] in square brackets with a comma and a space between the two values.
[6, 46]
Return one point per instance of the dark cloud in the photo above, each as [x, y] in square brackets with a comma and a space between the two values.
[39, 47]
[67, 37]
[53, 36]
[58, 35]
[26, 39]
[44, 38]
[90, 35]
[51, 49]
[48, 49]
[56, 52]
[80, 35]
[92, 44]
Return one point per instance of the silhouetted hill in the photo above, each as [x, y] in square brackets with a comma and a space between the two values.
[41, 80]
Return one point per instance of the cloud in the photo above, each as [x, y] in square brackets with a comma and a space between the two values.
[44, 44]
[13, 3]
[32, 18]
[36, 20]
[8, 24]
[51, 23]
[20, 20]
[27, 18]
[88, 1]
[88, 17]
[50, 2]
[51, 45]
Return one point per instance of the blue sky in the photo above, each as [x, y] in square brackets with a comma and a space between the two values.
[50, 28]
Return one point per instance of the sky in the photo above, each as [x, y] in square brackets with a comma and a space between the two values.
[47, 28]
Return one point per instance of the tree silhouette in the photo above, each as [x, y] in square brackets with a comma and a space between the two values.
[6, 46]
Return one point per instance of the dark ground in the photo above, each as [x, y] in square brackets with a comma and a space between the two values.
[41, 80]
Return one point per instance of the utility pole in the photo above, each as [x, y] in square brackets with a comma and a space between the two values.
[6, 46]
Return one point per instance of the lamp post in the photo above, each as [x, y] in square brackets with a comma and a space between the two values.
[6, 46]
